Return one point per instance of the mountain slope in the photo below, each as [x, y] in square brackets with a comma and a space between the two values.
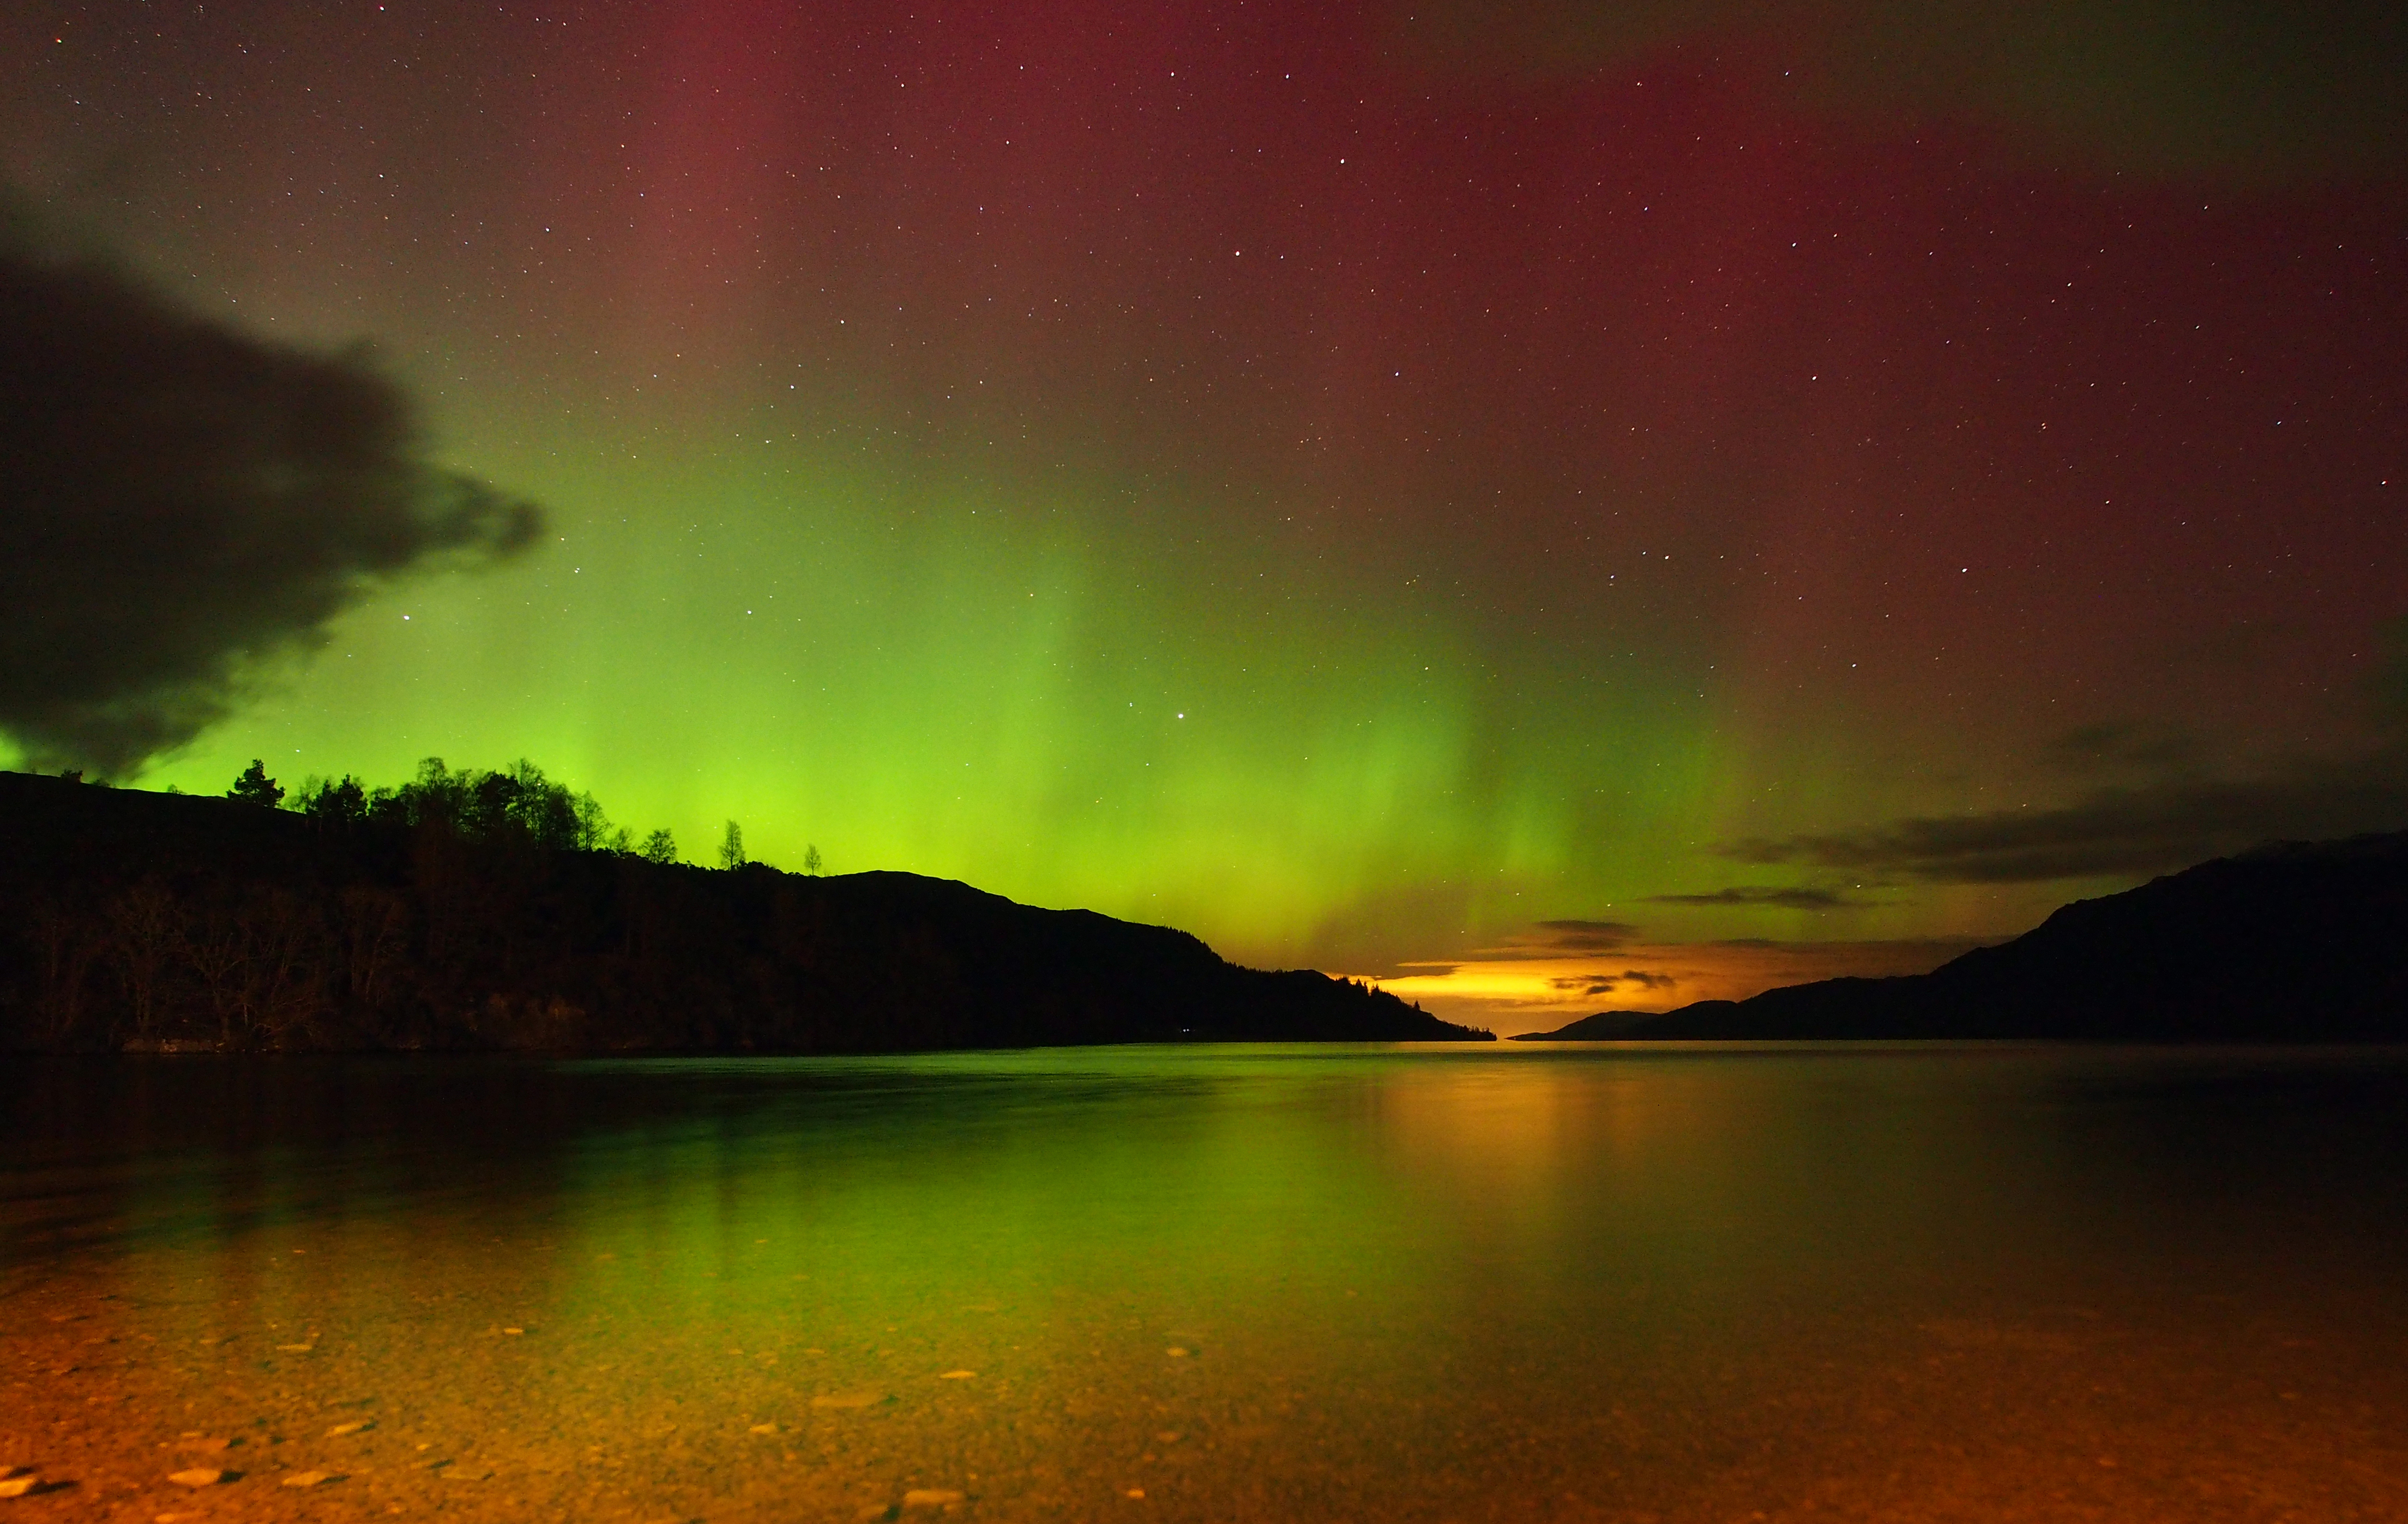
[2294, 942]
[155, 919]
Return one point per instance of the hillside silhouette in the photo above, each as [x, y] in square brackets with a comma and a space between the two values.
[495, 912]
[2293, 942]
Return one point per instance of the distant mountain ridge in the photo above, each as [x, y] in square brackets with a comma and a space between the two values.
[160, 921]
[2291, 942]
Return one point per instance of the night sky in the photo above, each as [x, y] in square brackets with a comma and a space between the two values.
[1556, 507]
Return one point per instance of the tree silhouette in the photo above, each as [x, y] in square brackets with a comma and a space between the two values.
[256, 788]
[812, 863]
[334, 803]
[467, 909]
[146, 921]
[592, 826]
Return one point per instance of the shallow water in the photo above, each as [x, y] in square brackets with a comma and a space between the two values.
[1644, 1282]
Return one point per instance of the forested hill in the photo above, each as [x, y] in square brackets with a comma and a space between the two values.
[146, 921]
[2294, 942]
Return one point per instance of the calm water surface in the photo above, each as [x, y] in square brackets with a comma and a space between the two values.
[1622, 1283]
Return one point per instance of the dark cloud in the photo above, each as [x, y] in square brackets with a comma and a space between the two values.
[2257, 88]
[182, 505]
[2107, 746]
[1748, 894]
[1605, 984]
[2120, 832]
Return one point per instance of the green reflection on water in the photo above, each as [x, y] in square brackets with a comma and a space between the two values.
[1247, 1282]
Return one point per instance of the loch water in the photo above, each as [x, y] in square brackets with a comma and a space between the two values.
[1620, 1282]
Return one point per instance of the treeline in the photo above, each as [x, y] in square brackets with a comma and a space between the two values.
[500, 910]
[516, 804]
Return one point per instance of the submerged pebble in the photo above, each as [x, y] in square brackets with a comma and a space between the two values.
[197, 1476]
[309, 1478]
[931, 1497]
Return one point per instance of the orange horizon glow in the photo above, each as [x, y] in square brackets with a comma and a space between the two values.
[1512, 992]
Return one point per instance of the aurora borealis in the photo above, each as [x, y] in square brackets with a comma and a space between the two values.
[1553, 513]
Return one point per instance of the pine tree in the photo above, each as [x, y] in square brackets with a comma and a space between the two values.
[256, 788]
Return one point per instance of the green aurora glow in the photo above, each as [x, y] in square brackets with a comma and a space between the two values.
[1359, 514]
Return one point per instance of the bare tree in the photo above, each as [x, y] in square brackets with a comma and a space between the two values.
[375, 924]
[593, 826]
[64, 945]
[217, 948]
[731, 847]
[284, 989]
[146, 921]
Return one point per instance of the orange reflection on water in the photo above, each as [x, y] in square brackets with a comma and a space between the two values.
[1678, 1286]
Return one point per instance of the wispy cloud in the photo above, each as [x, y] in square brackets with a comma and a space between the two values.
[2108, 746]
[2145, 829]
[1548, 939]
[2266, 90]
[1750, 894]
